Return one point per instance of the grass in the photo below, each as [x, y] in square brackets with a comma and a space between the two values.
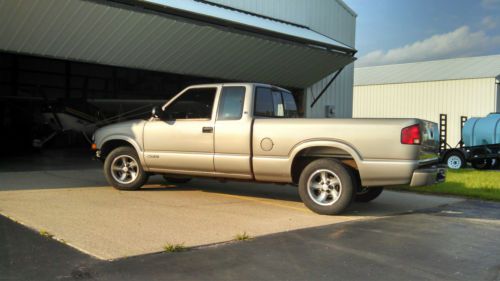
[172, 248]
[467, 183]
[45, 233]
[242, 237]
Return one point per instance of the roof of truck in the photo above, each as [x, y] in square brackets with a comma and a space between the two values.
[252, 84]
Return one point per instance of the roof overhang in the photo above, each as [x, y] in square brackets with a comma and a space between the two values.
[185, 37]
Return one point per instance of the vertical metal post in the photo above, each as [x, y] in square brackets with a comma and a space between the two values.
[443, 120]
[463, 119]
[14, 83]
[67, 75]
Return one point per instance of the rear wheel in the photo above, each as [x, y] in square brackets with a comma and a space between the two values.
[367, 194]
[481, 164]
[455, 160]
[326, 186]
[176, 180]
[123, 169]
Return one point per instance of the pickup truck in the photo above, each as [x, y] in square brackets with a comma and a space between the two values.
[252, 132]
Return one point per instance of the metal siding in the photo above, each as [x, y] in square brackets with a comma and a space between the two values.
[328, 17]
[118, 35]
[426, 100]
[451, 69]
[498, 95]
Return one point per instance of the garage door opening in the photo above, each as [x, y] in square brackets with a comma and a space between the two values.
[35, 89]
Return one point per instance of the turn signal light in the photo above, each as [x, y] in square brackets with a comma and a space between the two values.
[94, 146]
[411, 134]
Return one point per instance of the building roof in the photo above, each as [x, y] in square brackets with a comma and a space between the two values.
[438, 70]
[218, 12]
[174, 36]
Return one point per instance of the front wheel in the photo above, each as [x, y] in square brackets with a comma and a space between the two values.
[367, 194]
[123, 169]
[326, 186]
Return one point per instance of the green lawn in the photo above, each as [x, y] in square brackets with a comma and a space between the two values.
[467, 183]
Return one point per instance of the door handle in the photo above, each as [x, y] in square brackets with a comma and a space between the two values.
[207, 130]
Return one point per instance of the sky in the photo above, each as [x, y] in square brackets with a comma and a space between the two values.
[401, 31]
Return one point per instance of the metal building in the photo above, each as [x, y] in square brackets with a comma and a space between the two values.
[288, 43]
[456, 87]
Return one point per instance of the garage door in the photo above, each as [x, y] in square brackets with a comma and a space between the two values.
[185, 37]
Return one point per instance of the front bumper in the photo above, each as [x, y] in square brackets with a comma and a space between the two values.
[428, 176]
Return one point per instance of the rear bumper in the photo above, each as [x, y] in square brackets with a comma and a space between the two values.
[428, 176]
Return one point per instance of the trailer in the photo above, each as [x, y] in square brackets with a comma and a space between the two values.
[479, 144]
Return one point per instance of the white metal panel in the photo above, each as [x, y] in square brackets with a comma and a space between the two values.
[498, 95]
[120, 35]
[426, 100]
[329, 17]
[451, 69]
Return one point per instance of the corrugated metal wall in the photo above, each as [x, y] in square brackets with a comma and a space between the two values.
[426, 100]
[498, 96]
[329, 17]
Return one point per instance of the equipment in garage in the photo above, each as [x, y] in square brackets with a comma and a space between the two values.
[479, 145]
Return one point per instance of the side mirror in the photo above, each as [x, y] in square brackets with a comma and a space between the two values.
[156, 112]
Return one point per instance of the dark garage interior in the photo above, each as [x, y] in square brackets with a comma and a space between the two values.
[33, 89]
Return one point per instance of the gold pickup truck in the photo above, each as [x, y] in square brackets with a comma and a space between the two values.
[249, 131]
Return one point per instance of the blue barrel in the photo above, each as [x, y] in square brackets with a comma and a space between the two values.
[482, 131]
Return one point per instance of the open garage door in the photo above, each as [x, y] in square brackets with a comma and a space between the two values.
[186, 37]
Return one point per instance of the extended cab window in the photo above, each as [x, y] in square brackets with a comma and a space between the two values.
[231, 103]
[290, 106]
[263, 102]
[274, 103]
[193, 104]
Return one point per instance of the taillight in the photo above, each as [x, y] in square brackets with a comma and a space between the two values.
[411, 134]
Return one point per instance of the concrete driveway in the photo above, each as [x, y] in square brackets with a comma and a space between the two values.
[80, 209]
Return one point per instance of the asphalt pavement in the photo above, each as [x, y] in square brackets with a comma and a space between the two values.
[454, 242]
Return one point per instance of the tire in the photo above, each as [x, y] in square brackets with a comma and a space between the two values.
[176, 180]
[481, 164]
[367, 194]
[331, 198]
[114, 169]
[455, 160]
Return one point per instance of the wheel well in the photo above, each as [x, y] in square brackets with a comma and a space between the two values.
[307, 155]
[110, 145]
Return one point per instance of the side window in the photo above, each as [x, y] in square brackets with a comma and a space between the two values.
[193, 104]
[263, 102]
[290, 106]
[279, 110]
[231, 103]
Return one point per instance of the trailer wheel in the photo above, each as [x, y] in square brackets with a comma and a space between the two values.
[455, 160]
[481, 164]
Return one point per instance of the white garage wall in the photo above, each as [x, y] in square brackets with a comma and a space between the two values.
[426, 100]
[332, 18]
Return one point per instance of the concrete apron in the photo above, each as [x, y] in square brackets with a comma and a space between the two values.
[80, 209]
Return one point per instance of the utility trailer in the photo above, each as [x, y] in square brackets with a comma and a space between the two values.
[479, 143]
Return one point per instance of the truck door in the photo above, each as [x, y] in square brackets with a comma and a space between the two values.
[233, 133]
[182, 138]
